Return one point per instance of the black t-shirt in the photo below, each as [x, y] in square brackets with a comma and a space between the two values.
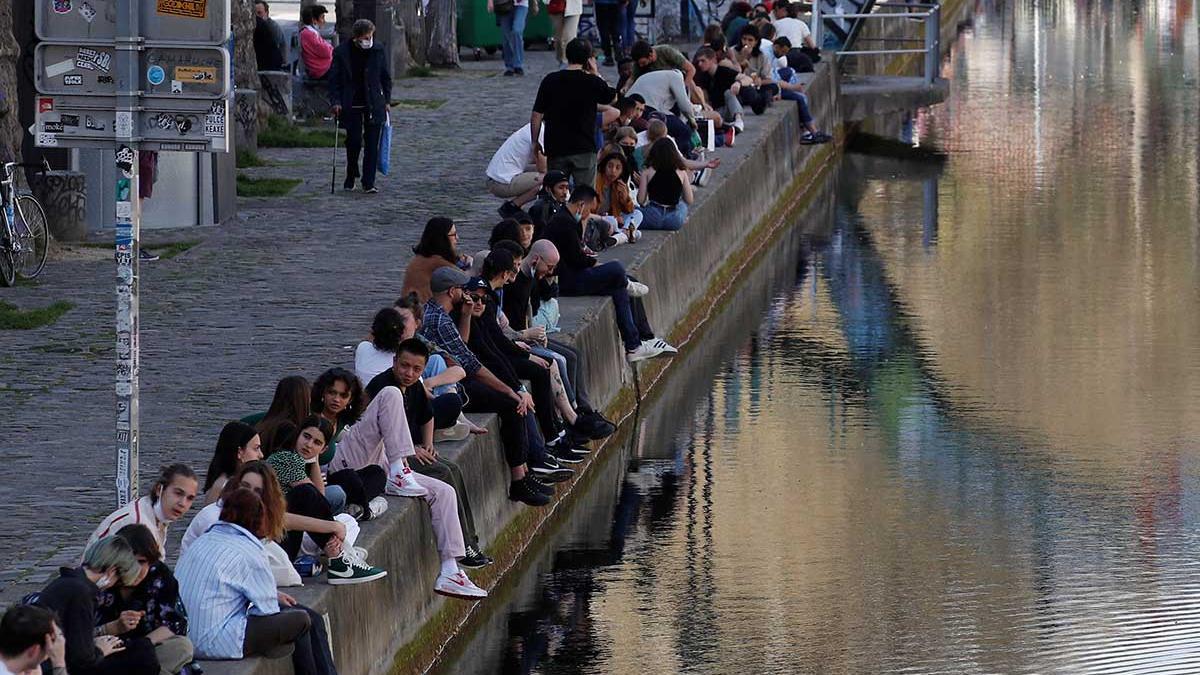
[798, 61]
[417, 408]
[717, 84]
[567, 99]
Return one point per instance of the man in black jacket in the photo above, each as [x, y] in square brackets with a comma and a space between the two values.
[578, 274]
[360, 91]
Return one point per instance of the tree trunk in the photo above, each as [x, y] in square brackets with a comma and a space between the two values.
[345, 19]
[245, 77]
[411, 16]
[10, 127]
[441, 27]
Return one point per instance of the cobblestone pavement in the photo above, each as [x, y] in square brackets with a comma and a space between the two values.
[287, 289]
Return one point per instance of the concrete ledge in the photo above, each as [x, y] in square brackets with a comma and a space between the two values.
[399, 624]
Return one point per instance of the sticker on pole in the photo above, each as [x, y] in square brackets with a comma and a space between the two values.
[90, 59]
[196, 73]
[155, 75]
[214, 121]
[62, 6]
[123, 126]
[190, 9]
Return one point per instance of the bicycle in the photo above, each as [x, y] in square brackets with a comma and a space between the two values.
[25, 239]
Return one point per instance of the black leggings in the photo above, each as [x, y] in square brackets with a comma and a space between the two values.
[445, 410]
[136, 659]
[361, 485]
[542, 392]
[306, 500]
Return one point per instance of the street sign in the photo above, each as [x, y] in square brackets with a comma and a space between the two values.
[175, 72]
[91, 122]
[131, 76]
[95, 21]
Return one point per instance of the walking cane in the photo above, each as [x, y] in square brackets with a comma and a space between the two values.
[333, 175]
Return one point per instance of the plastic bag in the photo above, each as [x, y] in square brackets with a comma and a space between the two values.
[385, 145]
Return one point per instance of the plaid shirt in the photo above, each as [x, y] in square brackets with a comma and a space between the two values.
[439, 328]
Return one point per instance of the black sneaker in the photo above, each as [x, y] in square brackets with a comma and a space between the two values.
[146, 256]
[348, 184]
[557, 474]
[522, 491]
[593, 427]
[538, 485]
[569, 455]
[474, 559]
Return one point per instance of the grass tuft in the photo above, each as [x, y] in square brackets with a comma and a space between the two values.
[418, 103]
[13, 318]
[282, 134]
[175, 249]
[420, 71]
[264, 187]
[247, 159]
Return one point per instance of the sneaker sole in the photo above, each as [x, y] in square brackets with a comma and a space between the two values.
[473, 566]
[406, 492]
[569, 461]
[349, 581]
[459, 596]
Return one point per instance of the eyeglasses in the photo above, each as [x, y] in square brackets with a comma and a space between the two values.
[453, 235]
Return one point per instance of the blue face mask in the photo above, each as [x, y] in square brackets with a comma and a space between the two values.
[578, 216]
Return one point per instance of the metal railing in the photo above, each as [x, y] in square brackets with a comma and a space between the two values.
[927, 14]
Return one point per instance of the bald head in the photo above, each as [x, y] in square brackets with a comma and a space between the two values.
[542, 259]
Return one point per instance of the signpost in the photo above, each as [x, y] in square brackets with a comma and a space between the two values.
[132, 76]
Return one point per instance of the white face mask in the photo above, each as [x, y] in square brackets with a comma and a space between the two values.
[366, 44]
[104, 582]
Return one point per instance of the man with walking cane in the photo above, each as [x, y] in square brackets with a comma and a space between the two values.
[360, 91]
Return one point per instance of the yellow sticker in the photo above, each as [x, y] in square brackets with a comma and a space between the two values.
[195, 74]
[192, 9]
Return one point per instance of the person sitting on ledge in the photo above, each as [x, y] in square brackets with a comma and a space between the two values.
[238, 443]
[409, 362]
[578, 274]
[665, 188]
[338, 395]
[437, 248]
[227, 585]
[108, 563]
[486, 392]
[550, 200]
[170, 497]
[150, 608]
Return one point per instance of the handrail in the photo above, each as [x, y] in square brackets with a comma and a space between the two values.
[931, 18]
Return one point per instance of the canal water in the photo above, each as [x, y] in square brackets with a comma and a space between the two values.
[952, 424]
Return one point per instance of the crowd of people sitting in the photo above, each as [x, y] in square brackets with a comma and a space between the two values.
[287, 489]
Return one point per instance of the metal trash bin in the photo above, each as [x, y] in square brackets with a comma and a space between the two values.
[477, 28]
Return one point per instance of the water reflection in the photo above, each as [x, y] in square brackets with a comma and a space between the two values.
[963, 437]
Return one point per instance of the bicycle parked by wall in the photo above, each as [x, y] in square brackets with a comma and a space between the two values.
[25, 238]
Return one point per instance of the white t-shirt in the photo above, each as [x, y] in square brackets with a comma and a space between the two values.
[795, 30]
[370, 361]
[514, 156]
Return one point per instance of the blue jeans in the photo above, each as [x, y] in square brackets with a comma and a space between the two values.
[610, 279]
[336, 496]
[786, 75]
[512, 27]
[655, 216]
[434, 367]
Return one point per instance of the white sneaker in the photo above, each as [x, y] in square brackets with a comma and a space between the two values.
[637, 289]
[377, 507]
[404, 484]
[663, 346]
[643, 352]
[457, 585]
[739, 124]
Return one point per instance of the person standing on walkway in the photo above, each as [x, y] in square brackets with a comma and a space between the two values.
[608, 22]
[269, 45]
[360, 91]
[564, 16]
[629, 23]
[510, 17]
[568, 100]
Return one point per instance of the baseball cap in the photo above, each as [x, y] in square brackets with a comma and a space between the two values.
[554, 177]
[476, 284]
[445, 278]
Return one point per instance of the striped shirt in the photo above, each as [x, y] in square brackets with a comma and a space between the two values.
[140, 511]
[224, 576]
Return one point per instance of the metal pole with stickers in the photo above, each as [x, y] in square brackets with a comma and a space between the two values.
[132, 76]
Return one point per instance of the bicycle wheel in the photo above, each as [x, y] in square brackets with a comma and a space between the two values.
[8, 266]
[33, 235]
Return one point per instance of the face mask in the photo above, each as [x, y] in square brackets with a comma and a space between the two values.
[104, 582]
[366, 44]
[578, 216]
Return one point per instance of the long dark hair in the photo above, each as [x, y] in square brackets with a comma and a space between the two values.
[234, 436]
[664, 156]
[714, 37]
[354, 409]
[290, 404]
[435, 240]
